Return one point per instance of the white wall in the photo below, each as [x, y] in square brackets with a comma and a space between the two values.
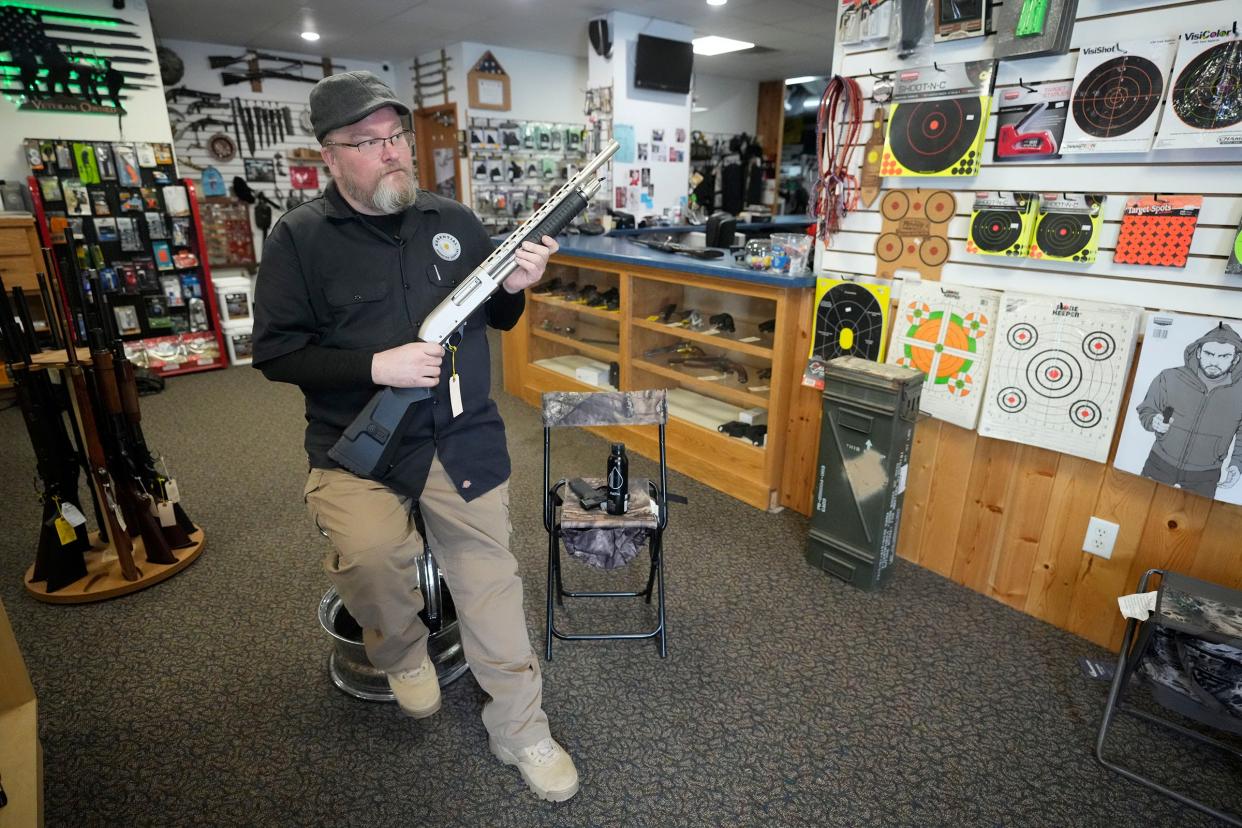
[146, 118]
[645, 109]
[732, 104]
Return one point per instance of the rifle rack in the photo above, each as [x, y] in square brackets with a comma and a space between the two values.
[103, 570]
[431, 79]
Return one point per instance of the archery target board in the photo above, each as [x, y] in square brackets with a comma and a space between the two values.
[946, 332]
[1118, 89]
[851, 319]
[1204, 108]
[1058, 373]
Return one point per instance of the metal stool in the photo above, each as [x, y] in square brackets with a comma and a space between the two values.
[353, 673]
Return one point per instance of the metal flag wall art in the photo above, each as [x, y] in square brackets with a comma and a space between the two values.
[61, 60]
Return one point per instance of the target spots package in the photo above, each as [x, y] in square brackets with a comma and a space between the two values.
[1067, 228]
[1205, 106]
[1058, 373]
[1158, 231]
[939, 120]
[1118, 88]
[946, 332]
[1001, 224]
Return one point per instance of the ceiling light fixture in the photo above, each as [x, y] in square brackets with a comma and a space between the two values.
[311, 36]
[714, 45]
[803, 79]
[716, 2]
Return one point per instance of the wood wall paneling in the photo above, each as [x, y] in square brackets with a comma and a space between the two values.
[1009, 520]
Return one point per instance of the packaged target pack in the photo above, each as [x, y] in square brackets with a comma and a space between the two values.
[1204, 108]
[1118, 88]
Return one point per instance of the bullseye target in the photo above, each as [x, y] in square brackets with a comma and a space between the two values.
[1054, 374]
[895, 205]
[1205, 94]
[1099, 345]
[1022, 336]
[889, 247]
[1085, 414]
[850, 321]
[938, 137]
[940, 206]
[1117, 96]
[1063, 234]
[1064, 394]
[995, 231]
[934, 251]
[1011, 400]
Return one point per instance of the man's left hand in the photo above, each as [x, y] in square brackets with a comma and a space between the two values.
[532, 260]
[1231, 477]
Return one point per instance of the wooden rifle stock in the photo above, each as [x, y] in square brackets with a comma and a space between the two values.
[97, 459]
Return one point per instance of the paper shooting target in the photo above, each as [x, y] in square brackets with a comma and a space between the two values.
[937, 137]
[1058, 374]
[849, 321]
[946, 333]
[1117, 96]
[1206, 93]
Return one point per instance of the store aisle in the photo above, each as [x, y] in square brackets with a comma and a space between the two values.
[787, 698]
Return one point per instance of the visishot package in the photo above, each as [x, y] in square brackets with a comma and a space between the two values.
[1118, 89]
[1030, 122]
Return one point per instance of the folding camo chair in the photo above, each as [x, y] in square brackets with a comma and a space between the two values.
[648, 507]
[1190, 615]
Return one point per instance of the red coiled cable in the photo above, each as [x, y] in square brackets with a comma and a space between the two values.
[838, 125]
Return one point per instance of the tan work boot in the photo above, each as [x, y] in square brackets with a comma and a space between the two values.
[545, 766]
[417, 690]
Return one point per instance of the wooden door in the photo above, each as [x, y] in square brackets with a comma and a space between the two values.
[435, 143]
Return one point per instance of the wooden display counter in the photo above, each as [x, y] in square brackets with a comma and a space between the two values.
[556, 334]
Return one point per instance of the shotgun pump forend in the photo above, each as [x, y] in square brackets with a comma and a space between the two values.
[367, 444]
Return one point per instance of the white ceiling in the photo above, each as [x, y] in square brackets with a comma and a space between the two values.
[799, 31]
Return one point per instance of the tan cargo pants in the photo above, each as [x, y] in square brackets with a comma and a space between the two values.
[374, 566]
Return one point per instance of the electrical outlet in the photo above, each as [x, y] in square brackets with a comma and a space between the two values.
[1101, 537]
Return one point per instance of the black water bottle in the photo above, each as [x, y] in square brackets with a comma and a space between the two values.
[618, 480]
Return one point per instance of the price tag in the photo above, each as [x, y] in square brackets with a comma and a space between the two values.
[455, 394]
[170, 488]
[65, 532]
[72, 514]
[164, 511]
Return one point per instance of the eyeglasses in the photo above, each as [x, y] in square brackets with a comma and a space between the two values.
[374, 146]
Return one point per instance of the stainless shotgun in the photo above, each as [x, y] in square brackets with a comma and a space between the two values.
[367, 444]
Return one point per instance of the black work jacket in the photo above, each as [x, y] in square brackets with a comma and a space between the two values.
[331, 279]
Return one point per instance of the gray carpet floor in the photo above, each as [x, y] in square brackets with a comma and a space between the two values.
[788, 698]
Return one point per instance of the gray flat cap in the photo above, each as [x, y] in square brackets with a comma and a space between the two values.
[345, 98]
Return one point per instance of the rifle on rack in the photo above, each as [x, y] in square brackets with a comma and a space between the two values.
[221, 61]
[368, 443]
[63, 542]
[179, 92]
[159, 490]
[114, 525]
[231, 78]
[198, 125]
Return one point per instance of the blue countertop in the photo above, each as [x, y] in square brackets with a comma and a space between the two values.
[620, 250]
[775, 223]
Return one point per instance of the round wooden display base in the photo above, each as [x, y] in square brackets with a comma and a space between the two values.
[103, 573]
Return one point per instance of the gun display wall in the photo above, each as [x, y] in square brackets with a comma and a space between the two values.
[89, 421]
[516, 165]
[140, 231]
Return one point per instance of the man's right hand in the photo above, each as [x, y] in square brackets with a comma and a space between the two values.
[416, 365]
[1160, 425]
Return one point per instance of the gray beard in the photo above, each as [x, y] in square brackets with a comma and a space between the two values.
[390, 197]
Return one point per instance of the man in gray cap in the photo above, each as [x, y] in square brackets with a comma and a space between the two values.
[345, 281]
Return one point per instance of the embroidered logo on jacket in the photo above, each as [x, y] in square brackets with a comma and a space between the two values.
[447, 246]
